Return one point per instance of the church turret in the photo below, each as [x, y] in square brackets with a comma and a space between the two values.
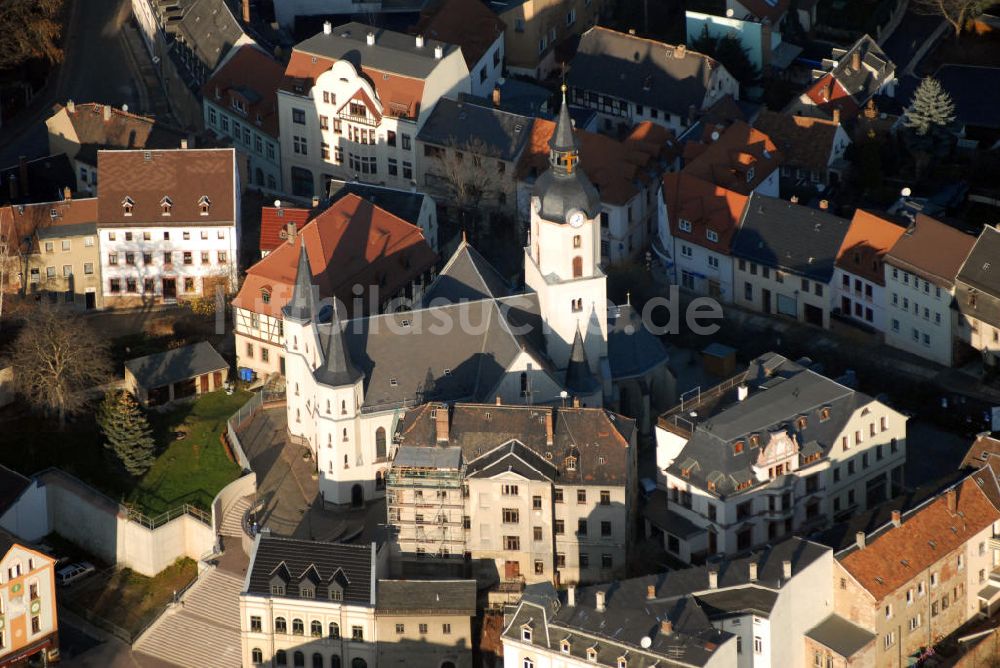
[580, 379]
[301, 306]
[337, 369]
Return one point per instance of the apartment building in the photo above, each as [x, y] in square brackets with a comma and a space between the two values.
[784, 259]
[30, 631]
[746, 613]
[352, 243]
[507, 483]
[59, 252]
[168, 224]
[697, 221]
[354, 98]
[775, 450]
[80, 130]
[920, 272]
[977, 294]
[913, 581]
[628, 79]
[241, 105]
[859, 278]
[534, 30]
[328, 603]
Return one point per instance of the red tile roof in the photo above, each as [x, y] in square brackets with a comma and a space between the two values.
[352, 242]
[183, 175]
[828, 94]
[932, 249]
[867, 241]
[984, 446]
[896, 555]
[251, 77]
[706, 206]
[468, 23]
[731, 154]
[274, 221]
[23, 221]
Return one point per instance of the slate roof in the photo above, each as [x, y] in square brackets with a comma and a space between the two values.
[980, 278]
[183, 175]
[632, 349]
[493, 132]
[206, 30]
[467, 276]
[840, 635]
[12, 484]
[641, 70]
[932, 250]
[780, 391]
[848, 89]
[275, 555]
[495, 437]
[470, 24]
[791, 237]
[658, 512]
[123, 130]
[48, 177]
[975, 92]
[428, 457]
[433, 596]
[176, 365]
[868, 239]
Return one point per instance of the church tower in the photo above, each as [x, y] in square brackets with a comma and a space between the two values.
[301, 350]
[562, 258]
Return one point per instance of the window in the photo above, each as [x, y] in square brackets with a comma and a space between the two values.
[581, 496]
[557, 495]
[188, 259]
[334, 630]
[758, 645]
[607, 561]
[605, 497]
[510, 516]
[685, 226]
[712, 235]
[298, 628]
[280, 626]
[605, 528]
[299, 116]
[512, 543]
[509, 490]
[581, 527]
[358, 633]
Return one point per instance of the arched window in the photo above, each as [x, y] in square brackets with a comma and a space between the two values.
[298, 628]
[280, 658]
[298, 415]
[329, 440]
[334, 661]
[359, 663]
[256, 655]
[345, 461]
[524, 383]
[295, 343]
[345, 433]
[343, 407]
[379, 480]
[334, 630]
[317, 660]
[316, 629]
[279, 625]
[380, 442]
[299, 660]
[327, 406]
[577, 241]
[577, 267]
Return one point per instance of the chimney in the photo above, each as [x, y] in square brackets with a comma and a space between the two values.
[107, 112]
[71, 106]
[859, 540]
[548, 428]
[786, 569]
[67, 194]
[290, 232]
[246, 11]
[419, 40]
[794, 199]
[571, 595]
[499, 400]
[315, 201]
[951, 497]
[371, 38]
[184, 144]
[713, 579]
[650, 592]
[666, 627]
[765, 45]
[576, 402]
[824, 204]
[441, 422]
[631, 31]
[22, 163]
[496, 95]
[599, 604]
[327, 28]
[680, 51]
[856, 60]
[836, 115]
[439, 52]
[897, 518]
[742, 392]
[753, 571]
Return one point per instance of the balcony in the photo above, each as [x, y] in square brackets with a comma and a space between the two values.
[511, 585]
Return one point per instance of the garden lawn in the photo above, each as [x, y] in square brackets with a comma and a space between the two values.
[193, 469]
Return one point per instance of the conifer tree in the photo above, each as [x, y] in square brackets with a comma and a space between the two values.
[127, 431]
[931, 112]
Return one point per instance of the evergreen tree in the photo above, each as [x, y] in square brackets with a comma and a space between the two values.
[127, 431]
[929, 118]
[729, 51]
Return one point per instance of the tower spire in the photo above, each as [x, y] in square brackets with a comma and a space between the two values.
[301, 305]
[337, 368]
[579, 378]
[564, 153]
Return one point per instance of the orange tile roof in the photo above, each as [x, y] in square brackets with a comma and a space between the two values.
[274, 220]
[352, 242]
[252, 77]
[805, 141]
[925, 536]
[123, 129]
[829, 94]
[729, 156]
[24, 221]
[614, 167]
[868, 239]
[706, 206]
[984, 446]
[932, 249]
[468, 23]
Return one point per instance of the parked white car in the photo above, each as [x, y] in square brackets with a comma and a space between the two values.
[70, 574]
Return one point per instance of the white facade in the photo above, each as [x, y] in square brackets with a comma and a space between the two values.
[919, 317]
[488, 70]
[690, 265]
[260, 150]
[860, 299]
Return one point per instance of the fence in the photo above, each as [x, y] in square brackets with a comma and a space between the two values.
[163, 518]
[243, 413]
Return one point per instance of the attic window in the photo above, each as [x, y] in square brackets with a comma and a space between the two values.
[824, 414]
[127, 205]
[600, 459]
[336, 592]
[754, 441]
[743, 485]
[404, 323]
[447, 372]
[801, 423]
[685, 225]
[737, 447]
[622, 662]
[526, 633]
[166, 204]
[564, 646]
[686, 472]
[393, 382]
[204, 204]
[712, 235]
[711, 485]
[592, 654]
[265, 296]
[306, 590]
[571, 463]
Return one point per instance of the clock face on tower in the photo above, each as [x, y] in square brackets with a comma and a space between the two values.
[575, 217]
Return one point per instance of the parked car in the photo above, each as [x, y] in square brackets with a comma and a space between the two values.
[70, 574]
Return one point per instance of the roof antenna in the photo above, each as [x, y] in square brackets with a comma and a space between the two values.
[628, 298]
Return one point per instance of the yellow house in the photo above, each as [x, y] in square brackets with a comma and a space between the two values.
[28, 623]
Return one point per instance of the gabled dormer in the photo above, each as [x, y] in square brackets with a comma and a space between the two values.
[308, 581]
[337, 584]
[166, 205]
[127, 205]
[280, 578]
[204, 205]
[779, 456]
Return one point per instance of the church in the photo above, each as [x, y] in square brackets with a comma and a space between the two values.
[472, 339]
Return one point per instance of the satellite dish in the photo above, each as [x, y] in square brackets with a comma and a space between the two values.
[906, 192]
[277, 204]
[646, 641]
[715, 135]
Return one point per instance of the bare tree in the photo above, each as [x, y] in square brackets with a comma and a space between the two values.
[469, 175]
[57, 359]
[955, 12]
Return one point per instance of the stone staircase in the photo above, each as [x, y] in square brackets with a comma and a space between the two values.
[203, 629]
[232, 523]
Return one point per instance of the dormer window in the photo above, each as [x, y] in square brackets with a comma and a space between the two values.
[754, 441]
[564, 646]
[307, 590]
[277, 588]
[265, 296]
[571, 463]
[526, 633]
[684, 225]
[750, 174]
[801, 423]
[592, 654]
[204, 204]
[336, 593]
[165, 205]
[824, 414]
[712, 235]
[737, 447]
[686, 472]
[622, 662]
[127, 205]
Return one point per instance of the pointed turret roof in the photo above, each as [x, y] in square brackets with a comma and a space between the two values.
[300, 307]
[337, 369]
[563, 139]
[579, 378]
